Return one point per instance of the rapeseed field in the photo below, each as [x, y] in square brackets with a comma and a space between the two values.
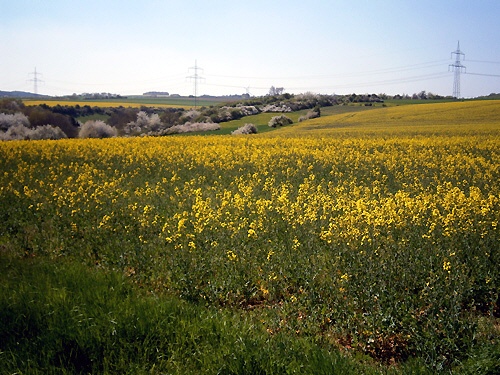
[105, 104]
[374, 232]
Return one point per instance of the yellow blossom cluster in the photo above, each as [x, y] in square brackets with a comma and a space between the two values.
[259, 207]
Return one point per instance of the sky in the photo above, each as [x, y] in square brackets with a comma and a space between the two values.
[219, 47]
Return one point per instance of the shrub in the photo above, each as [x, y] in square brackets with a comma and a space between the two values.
[314, 113]
[248, 110]
[246, 129]
[276, 108]
[190, 115]
[120, 117]
[16, 132]
[144, 123]
[11, 105]
[97, 129]
[47, 132]
[42, 115]
[20, 132]
[189, 127]
[171, 116]
[7, 121]
[280, 120]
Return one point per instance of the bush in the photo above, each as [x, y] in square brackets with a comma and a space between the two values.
[7, 121]
[248, 110]
[11, 105]
[42, 115]
[314, 113]
[281, 120]
[20, 132]
[120, 117]
[189, 127]
[190, 115]
[16, 132]
[97, 129]
[170, 116]
[246, 129]
[47, 132]
[144, 123]
[276, 108]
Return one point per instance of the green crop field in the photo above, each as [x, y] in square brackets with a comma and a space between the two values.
[365, 241]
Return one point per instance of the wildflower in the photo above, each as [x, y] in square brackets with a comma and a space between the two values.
[181, 224]
[104, 221]
[447, 266]
[264, 291]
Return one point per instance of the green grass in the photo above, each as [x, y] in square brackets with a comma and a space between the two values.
[62, 318]
[180, 101]
[57, 317]
[260, 120]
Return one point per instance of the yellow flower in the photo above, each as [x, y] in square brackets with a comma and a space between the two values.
[447, 266]
[181, 224]
[231, 255]
[264, 291]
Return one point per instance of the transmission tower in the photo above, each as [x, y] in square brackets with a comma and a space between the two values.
[35, 80]
[457, 68]
[195, 77]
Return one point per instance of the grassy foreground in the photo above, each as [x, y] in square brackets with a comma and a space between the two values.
[64, 318]
[361, 242]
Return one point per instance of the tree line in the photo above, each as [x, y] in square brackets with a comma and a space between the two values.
[18, 121]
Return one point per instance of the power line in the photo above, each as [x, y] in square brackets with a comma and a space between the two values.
[397, 81]
[424, 65]
[481, 74]
[485, 62]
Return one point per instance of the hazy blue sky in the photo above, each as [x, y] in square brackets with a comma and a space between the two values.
[325, 46]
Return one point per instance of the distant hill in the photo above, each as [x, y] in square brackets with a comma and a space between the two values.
[491, 96]
[20, 94]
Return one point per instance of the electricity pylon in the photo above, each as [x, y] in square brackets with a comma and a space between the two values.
[35, 80]
[195, 77]
[457, 68]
